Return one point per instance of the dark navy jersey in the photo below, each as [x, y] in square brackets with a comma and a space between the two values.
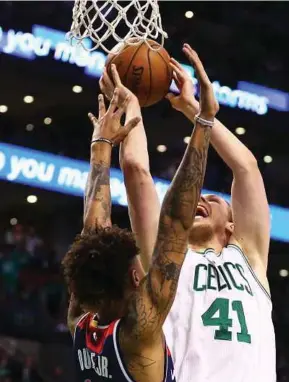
[98, 356]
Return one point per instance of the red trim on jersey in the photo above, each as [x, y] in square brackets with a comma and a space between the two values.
[83, 321]
[95, 337]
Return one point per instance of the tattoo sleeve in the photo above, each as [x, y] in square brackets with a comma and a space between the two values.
[97, 207]
[97, 200]
[151, 303]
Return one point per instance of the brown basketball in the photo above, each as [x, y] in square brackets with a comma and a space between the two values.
[144, 71]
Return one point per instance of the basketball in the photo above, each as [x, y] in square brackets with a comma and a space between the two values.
[144, 71]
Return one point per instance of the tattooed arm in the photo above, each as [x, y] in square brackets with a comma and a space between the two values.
[152, 301]
[98, 208]
[98, 199]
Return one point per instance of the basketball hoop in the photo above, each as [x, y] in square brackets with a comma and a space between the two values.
[103, 20]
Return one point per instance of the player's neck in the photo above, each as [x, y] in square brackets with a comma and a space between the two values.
[111, 312]
[201, 246]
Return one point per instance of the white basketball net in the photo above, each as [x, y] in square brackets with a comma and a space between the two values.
[103, 20]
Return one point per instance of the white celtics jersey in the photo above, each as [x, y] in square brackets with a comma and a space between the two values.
[220, 328]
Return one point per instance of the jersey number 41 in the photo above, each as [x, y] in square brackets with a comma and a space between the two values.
[218, 315]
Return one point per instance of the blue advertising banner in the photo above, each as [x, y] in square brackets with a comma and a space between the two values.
[44, 41]
[68, 176]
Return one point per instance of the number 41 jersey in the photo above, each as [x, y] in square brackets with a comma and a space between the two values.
[220, 326]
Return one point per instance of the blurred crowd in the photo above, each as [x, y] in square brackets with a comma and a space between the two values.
[33, 300]
[14, 369]
[30, 271]
[33, 304]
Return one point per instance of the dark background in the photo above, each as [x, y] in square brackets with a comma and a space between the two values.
[236, 41]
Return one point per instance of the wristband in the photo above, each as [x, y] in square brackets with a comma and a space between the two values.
[203, 121]
[102, 140]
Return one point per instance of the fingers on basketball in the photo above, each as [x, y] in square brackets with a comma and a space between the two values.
[115, 75]
[106, 86]
[178, 69]
[102, 86]
[197, 64]
[178, 77]
[107, 81]
[144, 70]
[101, 106]
[113, 102]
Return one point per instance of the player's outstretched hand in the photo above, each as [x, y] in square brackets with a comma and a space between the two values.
[209, 106]
[107, 86]
[108, 125]
[185, 102]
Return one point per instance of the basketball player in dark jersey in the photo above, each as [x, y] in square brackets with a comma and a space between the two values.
[116, 313]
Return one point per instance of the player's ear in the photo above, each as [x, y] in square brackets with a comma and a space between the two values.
[135, 278]
[229, 228]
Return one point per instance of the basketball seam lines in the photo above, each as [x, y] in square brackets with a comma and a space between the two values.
[110, 62]
[150, 70]
[125, 76]
[168, 74]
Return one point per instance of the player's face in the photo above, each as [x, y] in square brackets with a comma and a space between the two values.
[212, 213]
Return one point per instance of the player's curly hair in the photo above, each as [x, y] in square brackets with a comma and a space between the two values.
[97, 264]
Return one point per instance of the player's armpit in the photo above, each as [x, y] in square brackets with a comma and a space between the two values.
[251, 216]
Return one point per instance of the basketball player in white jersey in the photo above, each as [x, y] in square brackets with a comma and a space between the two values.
[220, 327]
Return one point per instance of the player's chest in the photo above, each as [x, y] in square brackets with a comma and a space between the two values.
[211, 275]
[222, 296]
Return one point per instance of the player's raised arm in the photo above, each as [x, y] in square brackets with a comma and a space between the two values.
[107, 131]
[134, 162]
[97, 208]
[249, 202]
[251, 214]
[150, 306]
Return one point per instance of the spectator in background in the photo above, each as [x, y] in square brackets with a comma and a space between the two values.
[5, 369]
[33, 242]
[15, 236]
[28, 373]
[10, 268]
[13, 259]
[9, 368]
